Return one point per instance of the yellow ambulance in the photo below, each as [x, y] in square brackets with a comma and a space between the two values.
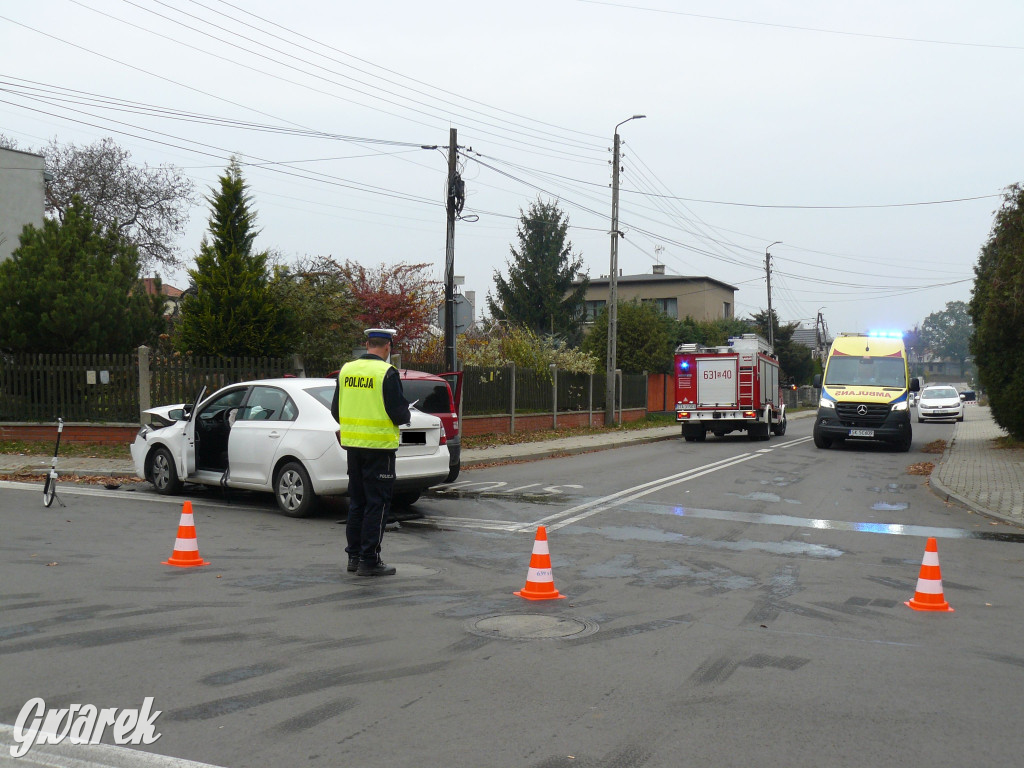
[865, 391]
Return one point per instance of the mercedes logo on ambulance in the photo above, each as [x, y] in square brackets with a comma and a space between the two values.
[862, 410]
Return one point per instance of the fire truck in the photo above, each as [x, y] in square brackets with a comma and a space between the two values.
[729, 388]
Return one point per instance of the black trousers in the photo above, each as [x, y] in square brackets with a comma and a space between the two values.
[371, 480]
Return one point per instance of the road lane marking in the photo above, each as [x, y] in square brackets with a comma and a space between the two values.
[589, 510]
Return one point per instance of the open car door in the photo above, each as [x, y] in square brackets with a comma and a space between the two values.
[188, 443]
[454, 380]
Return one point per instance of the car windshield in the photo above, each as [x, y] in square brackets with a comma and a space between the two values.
[939, 393]
[866, 371]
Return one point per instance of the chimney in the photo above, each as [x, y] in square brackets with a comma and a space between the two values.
[659, 269]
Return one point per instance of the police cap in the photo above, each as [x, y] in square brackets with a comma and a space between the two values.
[380, 333]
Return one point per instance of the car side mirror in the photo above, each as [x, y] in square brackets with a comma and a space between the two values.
[915, 384]
[817, 381]
[176, 414]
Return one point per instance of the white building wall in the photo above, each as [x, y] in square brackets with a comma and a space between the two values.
[22, 196]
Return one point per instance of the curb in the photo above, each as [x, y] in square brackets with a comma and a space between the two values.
[940, 490]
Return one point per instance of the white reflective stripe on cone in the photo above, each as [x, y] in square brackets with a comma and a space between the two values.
[539, 575]
[187, 519]
[930, 558]
[929, 586]
[540, 547]
[186, 545]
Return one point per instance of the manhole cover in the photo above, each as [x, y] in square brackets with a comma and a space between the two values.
[531, 626]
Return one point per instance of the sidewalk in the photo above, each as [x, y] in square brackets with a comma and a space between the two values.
[980, 476]
[972, 471]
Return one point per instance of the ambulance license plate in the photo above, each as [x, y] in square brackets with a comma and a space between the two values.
[862, 433]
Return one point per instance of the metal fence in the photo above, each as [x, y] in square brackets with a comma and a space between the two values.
[116, 388]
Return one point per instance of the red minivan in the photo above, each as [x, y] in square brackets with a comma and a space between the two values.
[434, 394]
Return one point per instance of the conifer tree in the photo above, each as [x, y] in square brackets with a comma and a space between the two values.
[74, 286]
[230, 309]
[997, 311]
[539, 293]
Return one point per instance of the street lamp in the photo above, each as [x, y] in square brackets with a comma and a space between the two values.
[768, 273]
[613, 275]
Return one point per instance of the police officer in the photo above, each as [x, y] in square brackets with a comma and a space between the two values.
[369, 404]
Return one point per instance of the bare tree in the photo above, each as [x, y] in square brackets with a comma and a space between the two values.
[149, 206]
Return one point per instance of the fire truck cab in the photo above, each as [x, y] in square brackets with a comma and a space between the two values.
[729, 388]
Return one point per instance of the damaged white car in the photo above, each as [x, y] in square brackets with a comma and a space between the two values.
[275, 435]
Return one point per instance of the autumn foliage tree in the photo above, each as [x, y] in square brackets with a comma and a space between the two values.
[400, 296]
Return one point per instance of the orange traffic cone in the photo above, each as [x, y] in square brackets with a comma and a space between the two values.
[539, 583]
[928, 596]
[186, 547]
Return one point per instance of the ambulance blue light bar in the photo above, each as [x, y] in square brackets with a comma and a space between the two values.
[885, 334]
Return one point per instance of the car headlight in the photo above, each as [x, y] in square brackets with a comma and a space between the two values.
[902, 405]
[144, 431]
[826, 403]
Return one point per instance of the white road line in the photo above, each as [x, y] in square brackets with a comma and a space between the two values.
[68, 755]
[562, 519]
[668, 484]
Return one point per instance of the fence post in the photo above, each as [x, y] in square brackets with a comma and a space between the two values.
[554, 395]
[618, 382]
[512, 404]
[298, 365]
[590, 401]
[145, 383]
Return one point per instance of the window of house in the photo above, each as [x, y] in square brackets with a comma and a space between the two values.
[592, 310]
[726, 310]
[669, 307]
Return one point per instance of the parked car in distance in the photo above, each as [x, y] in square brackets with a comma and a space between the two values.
[279, 436]
[940, 403]
[440, 395]
[969, 396]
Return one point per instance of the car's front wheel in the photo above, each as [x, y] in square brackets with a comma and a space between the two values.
[294, 491]
[163, 473]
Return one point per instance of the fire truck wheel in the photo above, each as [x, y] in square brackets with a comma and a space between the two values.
[780, 428]
[701, 436]
[759, 432]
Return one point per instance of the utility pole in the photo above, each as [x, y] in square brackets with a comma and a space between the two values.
[613, 285]
[768, 274]
[455, 197]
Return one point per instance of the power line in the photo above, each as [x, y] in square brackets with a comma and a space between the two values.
[807, 29]
[372, 94]
[393, 72]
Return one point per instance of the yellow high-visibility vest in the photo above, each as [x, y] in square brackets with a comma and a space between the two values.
[361, 415]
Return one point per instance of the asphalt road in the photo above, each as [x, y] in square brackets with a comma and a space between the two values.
[730, 603]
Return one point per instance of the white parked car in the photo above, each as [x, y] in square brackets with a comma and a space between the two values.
[275, 435]
[940, 403]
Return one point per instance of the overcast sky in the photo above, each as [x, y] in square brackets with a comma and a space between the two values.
[841, 129]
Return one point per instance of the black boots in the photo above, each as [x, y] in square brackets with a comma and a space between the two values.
[376, 569]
